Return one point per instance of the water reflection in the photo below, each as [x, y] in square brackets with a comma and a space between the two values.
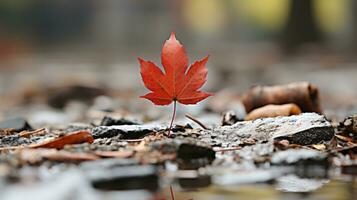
[287, 187]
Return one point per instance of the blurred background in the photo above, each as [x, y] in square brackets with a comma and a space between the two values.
[51, 43]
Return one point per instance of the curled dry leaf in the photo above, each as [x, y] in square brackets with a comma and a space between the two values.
[303, 94]
[274, 111]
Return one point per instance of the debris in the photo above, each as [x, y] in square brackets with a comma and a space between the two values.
[303, 94]
[14, 141]
[7, 132]
[305, 129]
[320, 147]
[349, 127]
[41, 131]
[229, 118]
[72, 138]
[124, 177]
[344, 138]
[273, 111]
[16, 124]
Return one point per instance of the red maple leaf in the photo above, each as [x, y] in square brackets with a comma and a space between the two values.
[178, 82]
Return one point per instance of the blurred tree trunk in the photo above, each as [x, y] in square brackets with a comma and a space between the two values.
[301, 26]
[354, 26]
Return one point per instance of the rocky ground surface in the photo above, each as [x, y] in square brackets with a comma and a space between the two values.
[85, 142]
[77, 130]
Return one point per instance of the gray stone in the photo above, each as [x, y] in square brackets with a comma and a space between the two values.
[305, 129]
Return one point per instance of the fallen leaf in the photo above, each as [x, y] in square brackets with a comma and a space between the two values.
[179, 82]
[72, 138]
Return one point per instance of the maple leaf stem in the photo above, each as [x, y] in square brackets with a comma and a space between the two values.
[173, 118]
[172, 191]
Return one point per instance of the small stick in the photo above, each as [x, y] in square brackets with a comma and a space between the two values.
[197, 121]
[30, 133]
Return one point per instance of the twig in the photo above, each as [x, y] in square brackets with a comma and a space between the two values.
[197, 121]
[30, 133]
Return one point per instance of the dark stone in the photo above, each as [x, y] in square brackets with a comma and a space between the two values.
[309, 136]
[190, 153]
[132, 177]
[126, 131]
[109, 121]
[17, 124]
[194, 183]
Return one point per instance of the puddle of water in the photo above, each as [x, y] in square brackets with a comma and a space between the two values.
[285, 188]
